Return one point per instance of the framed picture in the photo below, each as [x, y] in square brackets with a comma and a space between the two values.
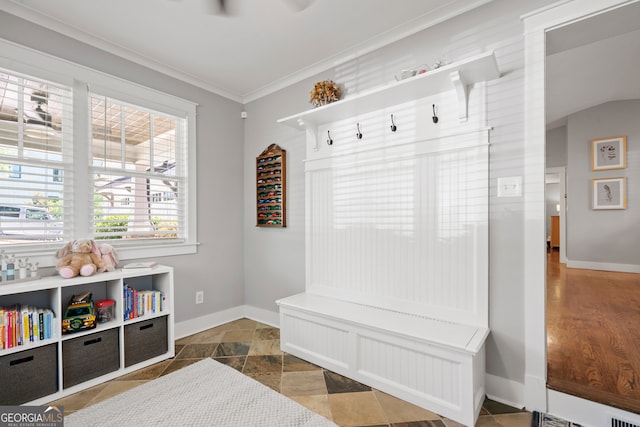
[609, 153]
[609, 193]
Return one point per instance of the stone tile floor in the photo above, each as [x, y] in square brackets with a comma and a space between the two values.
[253, 348]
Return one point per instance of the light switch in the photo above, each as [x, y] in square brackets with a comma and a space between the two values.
[510, 186]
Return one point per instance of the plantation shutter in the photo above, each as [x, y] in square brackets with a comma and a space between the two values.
[35, 139]
[138, 171]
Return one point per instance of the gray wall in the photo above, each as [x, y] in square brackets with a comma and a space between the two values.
[556, 147]
[217, 268]
[606, 236]
[274, 258]
[556, 156]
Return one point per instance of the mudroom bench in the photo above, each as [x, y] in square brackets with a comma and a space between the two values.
[397, 238]
[432, 363]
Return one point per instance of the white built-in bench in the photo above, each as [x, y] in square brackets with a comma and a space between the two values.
[435, 364]
[396, 239]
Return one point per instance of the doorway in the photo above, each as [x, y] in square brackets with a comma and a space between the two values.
[592, 345]
[537, 25]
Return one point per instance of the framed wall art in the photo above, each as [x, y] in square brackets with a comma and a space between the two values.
[609, 153]
[609, 193]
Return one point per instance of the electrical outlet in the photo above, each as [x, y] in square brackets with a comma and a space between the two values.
[199, 297]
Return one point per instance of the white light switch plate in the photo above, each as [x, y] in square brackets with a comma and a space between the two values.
[510, 186]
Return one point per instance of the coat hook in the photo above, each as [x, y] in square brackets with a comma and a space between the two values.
[359, 134]
[393, 125]
[435, 117]
[329, 140]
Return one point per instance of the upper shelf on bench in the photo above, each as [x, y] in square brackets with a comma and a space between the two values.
[458, 75]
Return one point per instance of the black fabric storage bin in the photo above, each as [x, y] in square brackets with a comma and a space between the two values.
[90, 356]
[144, 340]
[28, 375]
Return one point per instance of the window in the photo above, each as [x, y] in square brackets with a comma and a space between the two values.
[127, 182]
[136, 157]
[34, 115]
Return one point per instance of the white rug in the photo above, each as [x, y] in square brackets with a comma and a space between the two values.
[206, 393]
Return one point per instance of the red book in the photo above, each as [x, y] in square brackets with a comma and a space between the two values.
[134, 312]
[10, 329]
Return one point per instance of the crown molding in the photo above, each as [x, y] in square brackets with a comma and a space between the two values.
[445, 12]
[49, 23]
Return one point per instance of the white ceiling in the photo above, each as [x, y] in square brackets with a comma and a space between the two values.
[592, 61]
[259, 46]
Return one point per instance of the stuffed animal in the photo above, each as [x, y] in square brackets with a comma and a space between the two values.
[78, 258]
[109, 256]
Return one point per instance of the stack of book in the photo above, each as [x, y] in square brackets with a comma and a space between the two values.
[139, 303]
[24, 324]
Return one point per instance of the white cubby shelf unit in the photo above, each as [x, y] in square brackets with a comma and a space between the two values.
[45, 370]
[396, 240]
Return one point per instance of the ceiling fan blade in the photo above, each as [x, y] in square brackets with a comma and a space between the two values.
[298, 5]
[218, 7]
[212, 7]
[221, 7]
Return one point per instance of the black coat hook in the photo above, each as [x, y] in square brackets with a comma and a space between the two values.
[329, 140]
[359, 134]
[435, 116]
[393, 125]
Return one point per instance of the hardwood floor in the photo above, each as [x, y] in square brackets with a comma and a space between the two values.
[593, 334]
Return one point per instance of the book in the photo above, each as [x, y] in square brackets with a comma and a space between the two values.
[33, 328]
[40, 324]
[10, 328]
[139, 265]
[138, 303]
[24, 324]
[48, 323]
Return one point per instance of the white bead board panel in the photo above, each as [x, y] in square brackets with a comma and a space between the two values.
[328, 345]
[443, 381]
[404, 228]
[370, 346]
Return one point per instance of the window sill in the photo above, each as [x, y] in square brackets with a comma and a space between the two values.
[45, 256]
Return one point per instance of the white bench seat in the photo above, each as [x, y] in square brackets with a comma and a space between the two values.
[432, 363]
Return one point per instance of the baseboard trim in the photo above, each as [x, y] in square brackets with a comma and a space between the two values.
[268, 317]
[535, 392]
[504, 390]
[202, 323]
[604, 266]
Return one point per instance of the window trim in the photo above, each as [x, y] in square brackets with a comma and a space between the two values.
[28, 61]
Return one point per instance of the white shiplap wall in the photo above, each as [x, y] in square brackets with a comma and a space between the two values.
[398, 220]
